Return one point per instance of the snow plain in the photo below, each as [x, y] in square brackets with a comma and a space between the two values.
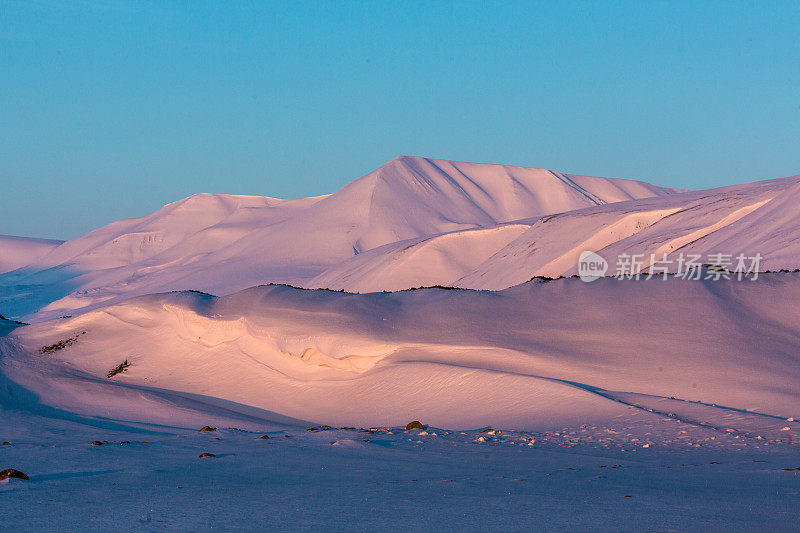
[621, 405]
[149, 478]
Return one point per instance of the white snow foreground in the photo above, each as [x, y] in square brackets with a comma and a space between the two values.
[223, 243]
[536, 356]
[612, 404]
[151, 478]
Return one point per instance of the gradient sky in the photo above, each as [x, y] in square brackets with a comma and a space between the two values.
[109, 110]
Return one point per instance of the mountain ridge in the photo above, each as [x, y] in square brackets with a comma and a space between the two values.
[224, 243]
[550, 246]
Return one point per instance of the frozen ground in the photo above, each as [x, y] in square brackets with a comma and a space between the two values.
[594, 478]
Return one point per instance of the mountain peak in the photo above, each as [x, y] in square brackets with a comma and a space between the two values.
[221, 242]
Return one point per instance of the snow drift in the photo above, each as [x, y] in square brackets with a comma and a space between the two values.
[538, 355]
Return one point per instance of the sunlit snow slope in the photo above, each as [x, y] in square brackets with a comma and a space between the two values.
[223, 243]
[538, 355]
[760, 217]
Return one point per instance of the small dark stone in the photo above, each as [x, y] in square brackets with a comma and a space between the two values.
[206, 454]
[265, 437]
[416, 424]
[10, 472]
[96, 443]
[206, 428]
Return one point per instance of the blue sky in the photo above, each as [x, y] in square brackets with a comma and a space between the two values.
[111, 109]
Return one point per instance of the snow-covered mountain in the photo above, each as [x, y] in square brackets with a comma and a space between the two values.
[223, 243]
[16, 252]
[413, 222]
[614, 392]
[757, 218]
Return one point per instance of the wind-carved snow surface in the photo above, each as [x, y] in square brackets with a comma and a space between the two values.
[537, 356]
[626, 399]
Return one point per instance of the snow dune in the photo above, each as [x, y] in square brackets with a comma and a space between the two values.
[536, 356]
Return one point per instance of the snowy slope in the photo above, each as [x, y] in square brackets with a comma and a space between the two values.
[224, 243]
[753, 218]
[632, 398]
[424, 262]
[536, 356]
[7, 326]
[16, 252]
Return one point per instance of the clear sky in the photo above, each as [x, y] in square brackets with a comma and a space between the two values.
[111, 109]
